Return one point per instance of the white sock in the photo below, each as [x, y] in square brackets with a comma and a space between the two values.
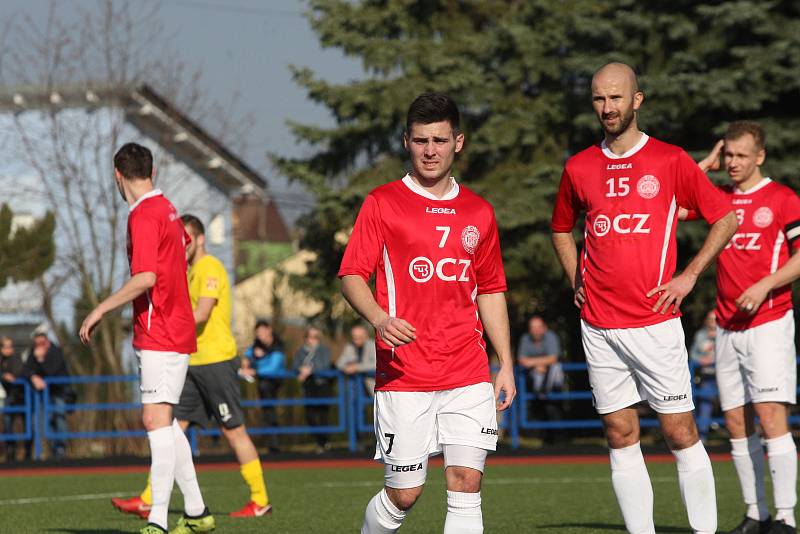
[748, 458]
[185, 475]
[382, 516]
[782, 455]
[633, 489]
[162, 472]
[696, 480]
[463, 513]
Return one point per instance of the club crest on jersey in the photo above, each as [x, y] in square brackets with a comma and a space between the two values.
[763, 217]
[648, 186]
[469, 238]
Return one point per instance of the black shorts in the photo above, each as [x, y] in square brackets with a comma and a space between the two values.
[212, 391]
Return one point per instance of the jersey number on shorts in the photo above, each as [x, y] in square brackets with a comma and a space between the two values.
[391, 442]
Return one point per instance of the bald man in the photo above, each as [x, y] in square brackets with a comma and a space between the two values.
[630, 187]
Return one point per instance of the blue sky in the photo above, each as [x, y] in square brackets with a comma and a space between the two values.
[244, 48]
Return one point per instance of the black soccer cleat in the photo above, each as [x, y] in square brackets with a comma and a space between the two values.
[752, 526]
[780, 527]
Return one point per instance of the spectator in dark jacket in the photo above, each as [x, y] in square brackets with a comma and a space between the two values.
[47, 360]
[263, 359]
[11, 369]
[309, 360]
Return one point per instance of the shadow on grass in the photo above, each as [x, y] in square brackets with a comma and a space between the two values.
[88, 531]
[607, 526]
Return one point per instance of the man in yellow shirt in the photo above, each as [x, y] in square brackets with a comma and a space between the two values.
[212, 383]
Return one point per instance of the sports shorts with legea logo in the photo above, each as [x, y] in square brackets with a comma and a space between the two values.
[757, 364]
[412, 425]
[631, 365]
[212, 391]
[161, 375]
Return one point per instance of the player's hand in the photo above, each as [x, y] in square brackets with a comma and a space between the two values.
[504, 382]
[89, 325]
[752, 298]
[672, 293]
[580, 297]
[711, 162]
[395, 331]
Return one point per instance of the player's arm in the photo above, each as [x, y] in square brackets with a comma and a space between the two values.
[494, 316]
[567, 252]
[203, 309]
[135, 286]
[392, 330]
[673, 292]
[754, 296]
[710, 163]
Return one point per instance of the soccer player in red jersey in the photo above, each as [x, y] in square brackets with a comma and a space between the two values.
[755, 351]
[630, 187]
[433, 245]
[163, 334]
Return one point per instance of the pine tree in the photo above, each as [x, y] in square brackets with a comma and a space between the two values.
[27, 251]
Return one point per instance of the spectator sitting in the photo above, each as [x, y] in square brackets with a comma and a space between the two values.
[309, 360]
[358, 356]
[702, 354]
[539, 351]
[12, 368]
[47, 360]
[263, 359]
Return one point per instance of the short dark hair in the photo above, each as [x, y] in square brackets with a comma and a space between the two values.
[194, 223]
[134, 161]
[433, 107]
[737, 129]
[263, 322]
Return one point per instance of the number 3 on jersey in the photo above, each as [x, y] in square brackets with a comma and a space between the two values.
[618, 187]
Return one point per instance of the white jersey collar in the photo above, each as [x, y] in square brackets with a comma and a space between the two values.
[758, 187]
[418, 189]
[633, 150]
[150, 194]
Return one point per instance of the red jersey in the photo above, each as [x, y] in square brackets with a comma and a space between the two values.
[432, 258]
[769, 225]
[162, 316]
[631, 204]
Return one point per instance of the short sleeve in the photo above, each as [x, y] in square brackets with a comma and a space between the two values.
[145, 235]
[551, 343]
[695, 192]
[567, 207]
[366, 242]
[491, 276]
[790, 219]
[211, 280]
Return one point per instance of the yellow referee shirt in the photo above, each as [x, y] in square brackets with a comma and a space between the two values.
[215, 343]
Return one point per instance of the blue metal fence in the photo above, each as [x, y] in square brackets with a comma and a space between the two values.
[352, 402]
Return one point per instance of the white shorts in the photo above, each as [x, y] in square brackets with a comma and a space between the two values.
[757, 364]
[412, 425]
[161, 375]
[629, 365]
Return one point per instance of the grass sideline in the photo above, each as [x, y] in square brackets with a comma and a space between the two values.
[559, 498]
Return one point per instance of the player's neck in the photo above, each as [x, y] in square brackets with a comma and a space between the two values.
[620, 144]
[750, 182]
[136, 189]
[438, 187]
[198, 255]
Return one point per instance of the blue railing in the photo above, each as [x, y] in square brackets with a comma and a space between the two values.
[352, 401]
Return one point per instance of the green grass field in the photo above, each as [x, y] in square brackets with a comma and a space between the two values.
[559, 498]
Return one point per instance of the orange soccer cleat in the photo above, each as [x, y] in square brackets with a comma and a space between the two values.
[134, 505]
[251, 509]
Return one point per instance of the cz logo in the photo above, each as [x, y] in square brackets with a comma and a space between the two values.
[422, 269]
[624, 223]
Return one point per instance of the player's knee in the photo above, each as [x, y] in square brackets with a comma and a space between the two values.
[681, 436]
[621, 435]
[773, 419]
[463, 479]
[405, 498]
[234, 434]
